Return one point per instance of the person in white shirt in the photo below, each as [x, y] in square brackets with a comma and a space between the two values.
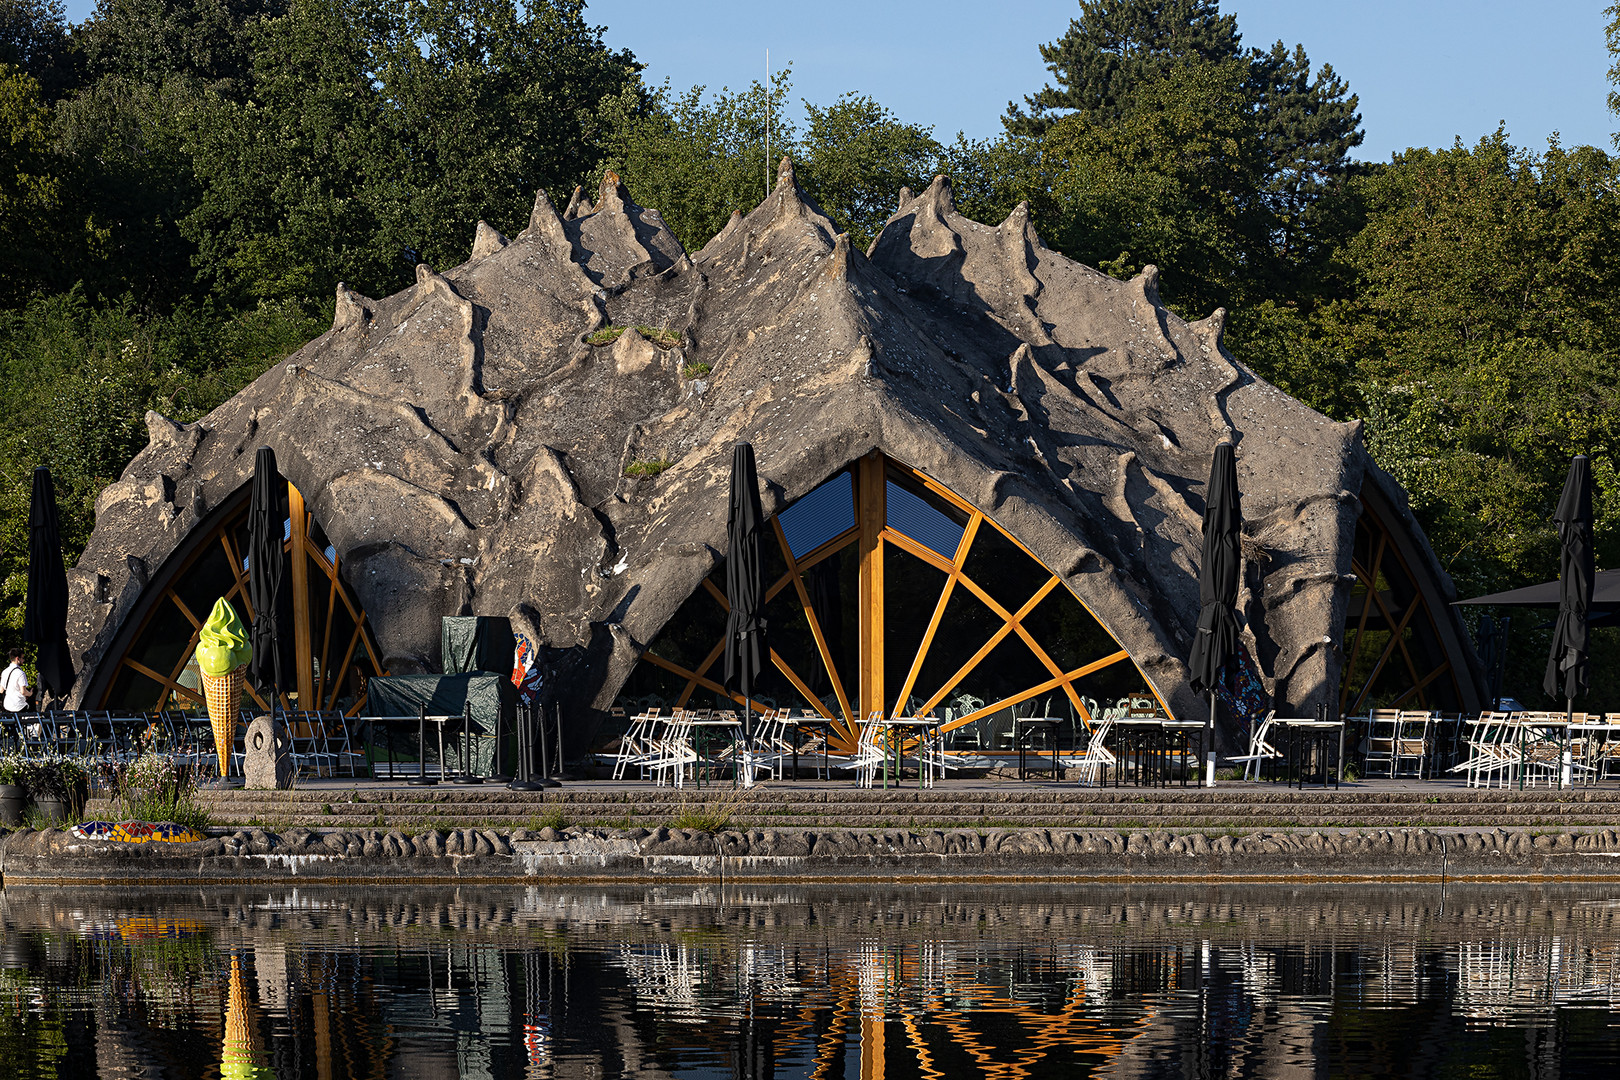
[14, 681]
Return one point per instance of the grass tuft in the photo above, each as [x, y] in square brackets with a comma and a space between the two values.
[695, 370]
[648, 466]
[659, 336]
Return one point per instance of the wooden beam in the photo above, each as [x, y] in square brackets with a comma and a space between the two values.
[659, 661]
[1417, 688]
[962, 550]
[302, 649]
[1367, 601]
[871, 519]
[1389, 650]
[1035, 691]
[815, 628]
[1009, 626]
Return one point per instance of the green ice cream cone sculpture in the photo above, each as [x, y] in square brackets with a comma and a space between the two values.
[223, 653]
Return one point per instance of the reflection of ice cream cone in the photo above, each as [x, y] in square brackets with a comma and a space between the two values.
[242, 1054]
[224, 694]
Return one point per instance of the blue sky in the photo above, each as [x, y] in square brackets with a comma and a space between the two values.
[1426, 70]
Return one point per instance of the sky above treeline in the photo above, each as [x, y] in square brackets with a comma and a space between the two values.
[1426, 72]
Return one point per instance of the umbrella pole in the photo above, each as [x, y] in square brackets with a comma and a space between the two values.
[1566, 774]
[746, 758]
[1209, 745]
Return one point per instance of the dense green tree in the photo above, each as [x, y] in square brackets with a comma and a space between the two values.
[1118, 47]
[209, 43]
[376, 136]
[34, 39]
[1167, 142]
[697, 157]
[856, 156]
[29, 189]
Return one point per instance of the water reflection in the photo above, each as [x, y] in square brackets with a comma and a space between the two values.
[881, 982]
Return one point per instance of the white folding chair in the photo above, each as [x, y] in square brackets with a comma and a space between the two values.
[1260, 748]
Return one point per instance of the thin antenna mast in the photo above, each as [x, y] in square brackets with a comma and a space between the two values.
[767, 122]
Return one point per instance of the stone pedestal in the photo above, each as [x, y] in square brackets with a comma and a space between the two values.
[268, 765]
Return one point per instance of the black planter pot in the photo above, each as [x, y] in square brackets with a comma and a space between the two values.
[13, 802]
[56, 811]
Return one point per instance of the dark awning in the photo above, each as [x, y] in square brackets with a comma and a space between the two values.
[1605, 594]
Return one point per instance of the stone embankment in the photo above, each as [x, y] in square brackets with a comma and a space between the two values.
[786, 806]
[598, 855]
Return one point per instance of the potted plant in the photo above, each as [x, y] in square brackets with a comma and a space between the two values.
[13, 793]
[59, 785]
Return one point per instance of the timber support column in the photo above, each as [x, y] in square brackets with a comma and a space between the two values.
[873, 496]
[298, 581]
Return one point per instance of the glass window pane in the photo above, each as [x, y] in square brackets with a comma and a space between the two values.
[1000, 568]
[909, 514]
[967, 625]
[911, 592]
[162, 642]
[133, 692]
[820, 515]
[696, 628]
[1067, 631]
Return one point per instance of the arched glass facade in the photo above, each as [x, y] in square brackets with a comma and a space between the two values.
[330, 646]
[888, 592]
[1394, 656]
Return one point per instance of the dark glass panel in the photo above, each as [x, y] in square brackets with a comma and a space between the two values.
[825, 583]
[342, 634]
[1107, 686]
[924, 519]
[789, 633]
[911, 592]
[819, 516]
[698, 625]
[1000, 568]
[967, 625]
[1009, 669]
[207, 579]
[162, 642]
[1067, 631]
[320, 595]
[133, 692]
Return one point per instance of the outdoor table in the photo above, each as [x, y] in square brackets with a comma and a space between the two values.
[1146, 735]
[700, 742]
[1183, 730]
[421, 750]
[826, 725]
[1308, 738]
[925, 730]
[1023, 728]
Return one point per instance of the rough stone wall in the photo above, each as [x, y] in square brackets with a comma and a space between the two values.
[465, 446]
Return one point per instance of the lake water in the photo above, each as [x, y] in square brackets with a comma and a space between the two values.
[836, 982]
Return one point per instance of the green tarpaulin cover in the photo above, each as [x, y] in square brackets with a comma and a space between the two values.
[493, 701]
[477, 643]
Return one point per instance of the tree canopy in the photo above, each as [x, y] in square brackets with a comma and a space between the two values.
[183, 182]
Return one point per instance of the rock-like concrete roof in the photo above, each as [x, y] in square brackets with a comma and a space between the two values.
[464, 445]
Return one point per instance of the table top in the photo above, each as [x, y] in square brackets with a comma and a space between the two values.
[1143, 721]
[713, 723]
[916, 721]
[809, 721]
[1308, 723]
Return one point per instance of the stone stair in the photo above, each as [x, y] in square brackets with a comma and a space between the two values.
[792, 806]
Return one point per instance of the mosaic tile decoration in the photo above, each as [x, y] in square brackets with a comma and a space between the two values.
[137, 832]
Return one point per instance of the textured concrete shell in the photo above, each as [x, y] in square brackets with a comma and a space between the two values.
[465, 446]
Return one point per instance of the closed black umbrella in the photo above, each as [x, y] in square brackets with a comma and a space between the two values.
[1566, 662]
[1216, 639]
[45, 616]
[746, 648]
[266, 534]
